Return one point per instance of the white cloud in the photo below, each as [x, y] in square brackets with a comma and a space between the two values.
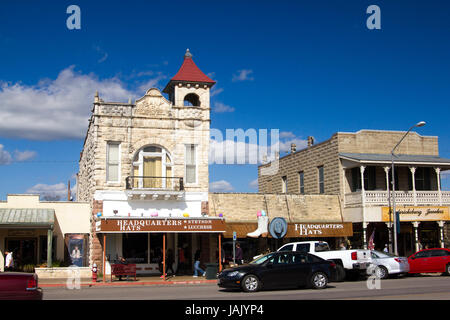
[287, 134]
[220, 107]
[24, 155]
[220, 186]
[253, 184]
[215, 91]
[285, 146]
[18, 156]
[52, 192]
[152, 83]
[5, 156]
[54, 109]
[243, 75]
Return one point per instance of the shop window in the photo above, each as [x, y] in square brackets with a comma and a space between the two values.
[135, 247]
[370, 182]
[284, 184]
[301, 180]
[423, 179]
[191, 163]
[321, 180]
[113, 162]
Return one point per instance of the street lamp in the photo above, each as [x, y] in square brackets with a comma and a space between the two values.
[419, 124]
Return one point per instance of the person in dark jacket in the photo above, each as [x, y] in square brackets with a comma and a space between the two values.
[239, 254]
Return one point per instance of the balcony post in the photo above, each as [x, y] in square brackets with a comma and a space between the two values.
[389, 226]
[438, 177]
[365, 224]
[416, 235]
[413, 173]
[441, 233]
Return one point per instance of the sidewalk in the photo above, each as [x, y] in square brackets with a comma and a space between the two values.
[140, 281]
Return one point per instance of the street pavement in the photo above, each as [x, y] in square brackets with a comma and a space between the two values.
[429, 287]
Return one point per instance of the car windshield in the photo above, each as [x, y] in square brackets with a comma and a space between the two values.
[384, 254]
[262, 259]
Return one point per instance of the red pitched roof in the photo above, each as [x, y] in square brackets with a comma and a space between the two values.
[190, 72]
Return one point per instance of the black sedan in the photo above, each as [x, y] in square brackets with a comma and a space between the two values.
[278, 270]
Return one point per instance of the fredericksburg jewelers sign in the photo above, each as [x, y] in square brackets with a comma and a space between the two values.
[112, 225]
[419, 213]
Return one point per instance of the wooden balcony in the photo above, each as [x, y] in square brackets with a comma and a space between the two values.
[154, 188]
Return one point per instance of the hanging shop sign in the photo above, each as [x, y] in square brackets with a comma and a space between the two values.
[278, 227]
[418, 213]
[191, 225]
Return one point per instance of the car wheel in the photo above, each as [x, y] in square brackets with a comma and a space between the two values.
[381, 272]
[250, 283]
[319, 280]
[447, 269]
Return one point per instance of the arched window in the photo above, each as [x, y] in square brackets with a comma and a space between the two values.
[152, 168]
[191, 99]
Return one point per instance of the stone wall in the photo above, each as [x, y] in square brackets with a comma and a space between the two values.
[243, 207]
[382, 142]
[307, 160]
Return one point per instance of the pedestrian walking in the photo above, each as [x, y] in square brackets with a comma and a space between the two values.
[239, 254]
[342, 246]
[197, 268]
[386, 248]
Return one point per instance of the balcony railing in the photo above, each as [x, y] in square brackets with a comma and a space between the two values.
[154, 183]
[381, 198]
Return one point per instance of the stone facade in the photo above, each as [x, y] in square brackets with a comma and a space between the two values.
[151, 121]
[242, 207]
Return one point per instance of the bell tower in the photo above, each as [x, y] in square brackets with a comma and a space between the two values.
[190, 86]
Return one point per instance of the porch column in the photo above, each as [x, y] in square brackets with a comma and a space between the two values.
[389, 226]
[104, 258]
[220, 252]
[365, 224]
[438, 177]
[413, 173]
[416, 234]
[164, 257]
[441, 232]
[49, 246]
[343, 185]
[363, 192]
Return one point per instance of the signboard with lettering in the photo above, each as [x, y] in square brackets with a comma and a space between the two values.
[312, 230]
[191, 225]
[418, 213]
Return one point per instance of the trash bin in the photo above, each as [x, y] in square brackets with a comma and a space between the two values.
[211, 271]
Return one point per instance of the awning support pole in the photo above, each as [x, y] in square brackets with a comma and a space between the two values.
[104, 258]
[49, 246]
[220, 252]
[164, 257]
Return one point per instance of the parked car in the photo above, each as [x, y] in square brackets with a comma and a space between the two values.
[430, 261]
[19, 286]
[386, 264]
[353, 262]
[278, 270]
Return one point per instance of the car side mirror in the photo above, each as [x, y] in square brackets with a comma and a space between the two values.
[412, 258]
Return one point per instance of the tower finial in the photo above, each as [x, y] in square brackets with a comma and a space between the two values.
[188, 54]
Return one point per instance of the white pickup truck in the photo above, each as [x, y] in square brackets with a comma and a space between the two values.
[354, 261]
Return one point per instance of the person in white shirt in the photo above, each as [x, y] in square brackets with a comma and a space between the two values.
[9, 263]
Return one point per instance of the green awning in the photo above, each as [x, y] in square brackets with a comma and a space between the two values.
[27, 218]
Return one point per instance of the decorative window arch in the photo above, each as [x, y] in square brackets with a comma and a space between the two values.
[192, 99]
[152, 168]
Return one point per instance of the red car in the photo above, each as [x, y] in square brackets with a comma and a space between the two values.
[19, 286]
[430, 261]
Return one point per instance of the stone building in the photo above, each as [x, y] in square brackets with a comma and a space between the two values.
[144, 169]
[356, 168]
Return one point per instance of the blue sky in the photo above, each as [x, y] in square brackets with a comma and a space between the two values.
[307, 68]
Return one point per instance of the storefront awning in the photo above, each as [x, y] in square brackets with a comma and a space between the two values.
[399, 159]
[27, 218]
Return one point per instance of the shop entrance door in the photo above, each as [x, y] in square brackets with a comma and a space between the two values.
[24, 251]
